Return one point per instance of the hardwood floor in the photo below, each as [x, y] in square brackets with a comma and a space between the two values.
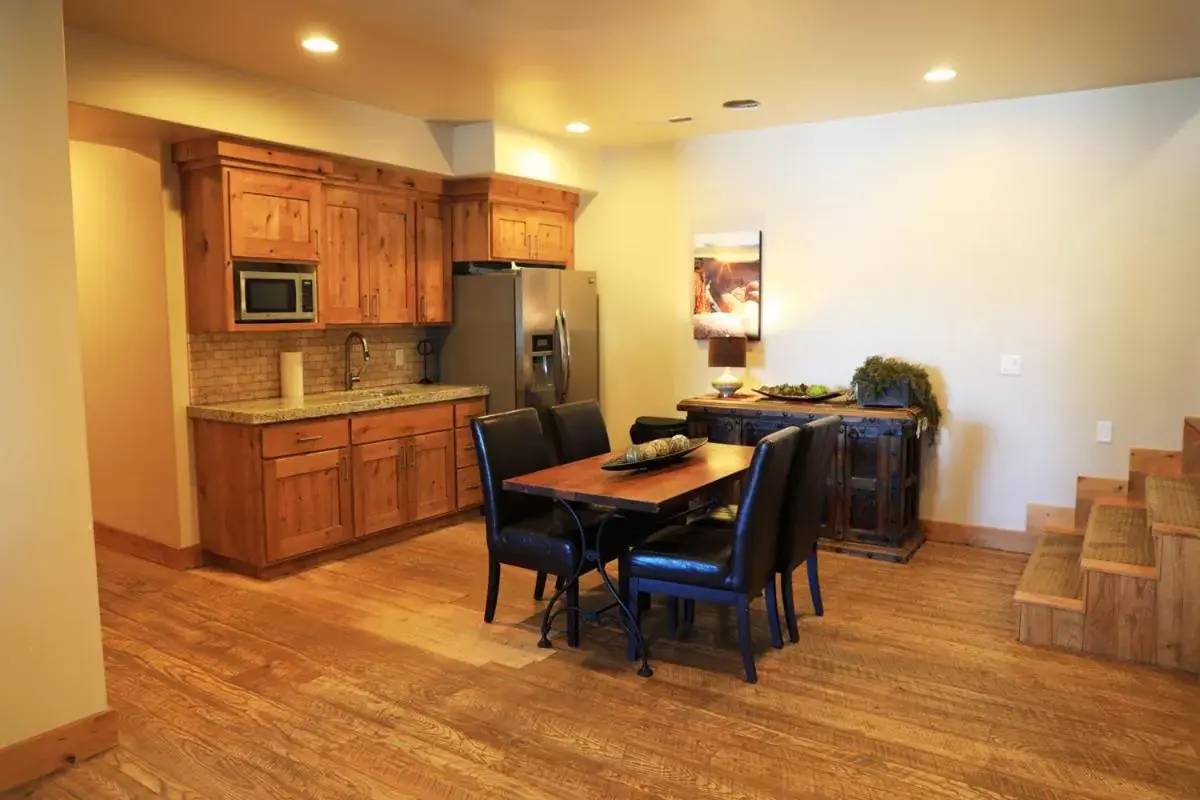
[376, 678]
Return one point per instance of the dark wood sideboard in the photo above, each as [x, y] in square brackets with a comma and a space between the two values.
[874, 489]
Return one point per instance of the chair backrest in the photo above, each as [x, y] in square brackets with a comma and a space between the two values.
[509, 444]
[578, 431]
[757, 529]
[801, 521]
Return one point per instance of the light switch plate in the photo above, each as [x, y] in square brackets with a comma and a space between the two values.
[1010, 365]
[1104, 432]
[399, 357]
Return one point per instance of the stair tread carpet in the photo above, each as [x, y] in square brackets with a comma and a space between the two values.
[1053, 576]
[1174, 504]
[1118, 540]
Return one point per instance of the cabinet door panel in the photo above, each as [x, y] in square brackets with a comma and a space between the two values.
[551, 236]
[392, 260]
[510, 233]
[382, 491]
[307, 502]
[344, 276]
[433, 267]
[274, 216]
[433, 474]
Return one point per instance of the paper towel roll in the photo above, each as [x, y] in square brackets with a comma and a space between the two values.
[291, 374]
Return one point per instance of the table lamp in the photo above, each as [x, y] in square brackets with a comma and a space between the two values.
[727, 352]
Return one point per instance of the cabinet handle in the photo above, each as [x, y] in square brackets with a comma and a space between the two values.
[345, 467]
[375, 306]
[308, 439]
[424, 315]
[468, 448]
[366, 307]
[412, 455]
[471, 486]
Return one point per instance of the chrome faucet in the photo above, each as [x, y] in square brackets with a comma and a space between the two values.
[351, 377]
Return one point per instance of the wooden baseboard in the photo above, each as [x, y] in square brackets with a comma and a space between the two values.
[341, 551]
[51, 751]
[148, 549]
[979, 536]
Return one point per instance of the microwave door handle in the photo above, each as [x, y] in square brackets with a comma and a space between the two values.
[242, 294]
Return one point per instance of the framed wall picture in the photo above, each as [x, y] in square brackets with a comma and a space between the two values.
[727, 284]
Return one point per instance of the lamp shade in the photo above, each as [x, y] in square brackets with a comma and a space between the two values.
[727, 351]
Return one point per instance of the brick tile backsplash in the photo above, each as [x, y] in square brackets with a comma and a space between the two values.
[245, 366]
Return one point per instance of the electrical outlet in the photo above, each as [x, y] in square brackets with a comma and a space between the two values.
[1104, 432]
[399, 356]
[1010, 365]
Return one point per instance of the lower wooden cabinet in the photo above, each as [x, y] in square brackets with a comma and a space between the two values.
[398, 481]
[307, 502]
[270, 493]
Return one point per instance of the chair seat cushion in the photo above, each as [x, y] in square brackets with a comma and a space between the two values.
[694, 554]
[549, 542]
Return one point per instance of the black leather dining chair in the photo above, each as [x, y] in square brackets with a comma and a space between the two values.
[802, 514]
[578, 431]
[523, 530]
[800, 524]
[722, 564]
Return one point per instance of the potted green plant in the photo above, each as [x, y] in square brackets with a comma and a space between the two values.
[894, 382]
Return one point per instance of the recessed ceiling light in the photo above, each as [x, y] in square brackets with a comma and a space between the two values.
[578, 127]
[740, 104]
[319, 44]
[679, 119]
[941, 74]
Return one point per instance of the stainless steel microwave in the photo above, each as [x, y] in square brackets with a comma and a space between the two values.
[275, 293]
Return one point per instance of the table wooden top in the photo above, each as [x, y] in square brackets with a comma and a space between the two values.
[756, 404]
[648, 491]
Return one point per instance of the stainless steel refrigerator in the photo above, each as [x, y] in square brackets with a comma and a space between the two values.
[530, 335]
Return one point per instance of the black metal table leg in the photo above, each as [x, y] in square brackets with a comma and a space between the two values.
[624, 617]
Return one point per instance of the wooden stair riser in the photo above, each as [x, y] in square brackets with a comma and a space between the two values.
[1144, 462]
[1088, 490]
[1120, 617]
[1190, 460]
[1043, 626]
[1178, 601]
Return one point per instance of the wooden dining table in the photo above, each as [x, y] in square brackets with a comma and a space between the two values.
[628, 494]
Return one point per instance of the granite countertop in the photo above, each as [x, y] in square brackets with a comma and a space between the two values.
[331, 404]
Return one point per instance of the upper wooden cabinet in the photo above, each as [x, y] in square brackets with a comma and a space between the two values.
[500, 219]
[434, 280]
[372, 260]
[382, 238]
[273, 217]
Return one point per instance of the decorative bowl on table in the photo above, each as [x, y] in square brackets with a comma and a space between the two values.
[654, 454]
[798, 392]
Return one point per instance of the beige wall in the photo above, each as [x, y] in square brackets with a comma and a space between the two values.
[121, 258]
[1061, 228]
[51, 668]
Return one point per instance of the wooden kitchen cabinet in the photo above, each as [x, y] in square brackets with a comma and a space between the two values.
[344, 275]
[307, 502]
[434, 280]
[268, 495]
[368, 273]
[398, 481]
[275, 217]
[500, 219]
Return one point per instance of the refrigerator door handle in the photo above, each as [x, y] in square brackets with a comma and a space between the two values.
[566, 353]
[560, 347]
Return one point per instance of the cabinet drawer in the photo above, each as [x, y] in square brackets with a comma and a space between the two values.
[464, 448]
[401, 422]
[469, 491]
[308, 436]
[465, 412]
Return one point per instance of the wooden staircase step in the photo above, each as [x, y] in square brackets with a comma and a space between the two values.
[1053, 576]
[1118, 541]
[1174, 504]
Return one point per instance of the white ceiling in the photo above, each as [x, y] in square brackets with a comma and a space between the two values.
[624, 66]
